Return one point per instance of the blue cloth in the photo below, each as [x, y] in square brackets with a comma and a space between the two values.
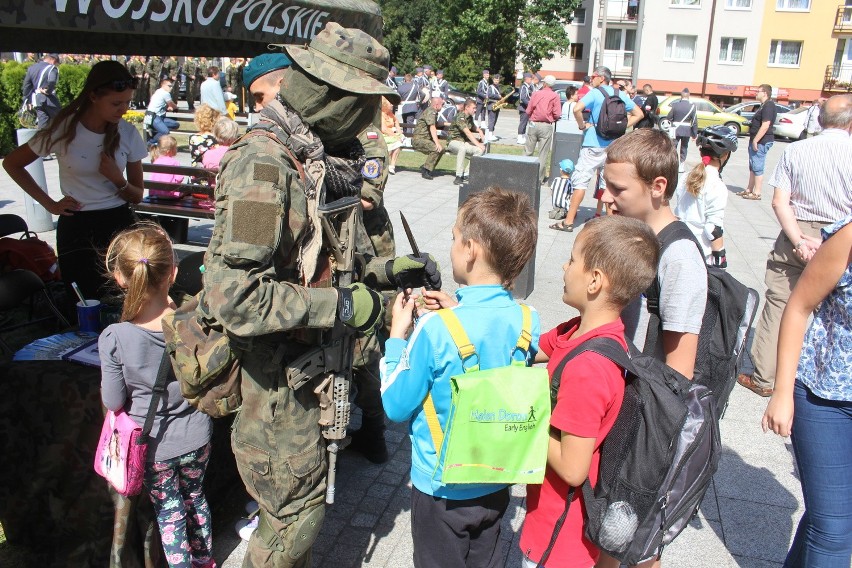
[593, 102]
[425, 363]
[822, 443]
[162, 126]
[825, 365]
[757, 160]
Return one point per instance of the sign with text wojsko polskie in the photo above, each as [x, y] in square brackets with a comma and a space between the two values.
[175, 27]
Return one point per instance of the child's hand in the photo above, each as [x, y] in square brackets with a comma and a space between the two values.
[435, 300]
[403, 314]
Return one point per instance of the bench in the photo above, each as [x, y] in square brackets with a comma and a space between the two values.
[173, 214]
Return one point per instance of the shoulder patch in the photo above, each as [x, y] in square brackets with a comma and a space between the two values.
[372, 169]
[372, 135]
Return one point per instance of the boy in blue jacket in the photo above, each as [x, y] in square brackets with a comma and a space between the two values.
[458, 525]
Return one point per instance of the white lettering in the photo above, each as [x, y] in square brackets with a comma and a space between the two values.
[82, 5]
[205, 20]
[60, 5]
[266, 27]
[187, 9]
[285, 17]
[264, 5]
[164, 15]
[238, 7]
[297, 22]
[137, 14]
[116, 12]
[319, 23]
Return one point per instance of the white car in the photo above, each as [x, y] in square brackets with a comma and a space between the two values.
[792, 124]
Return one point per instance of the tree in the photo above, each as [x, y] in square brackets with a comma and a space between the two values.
[465, 36]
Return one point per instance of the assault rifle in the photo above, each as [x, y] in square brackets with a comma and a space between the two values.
[331, 364]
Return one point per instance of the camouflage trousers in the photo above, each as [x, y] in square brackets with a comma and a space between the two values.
[281, 458]
[426, 146]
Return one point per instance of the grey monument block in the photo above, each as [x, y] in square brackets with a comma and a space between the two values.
[515, 173]
[565, 145]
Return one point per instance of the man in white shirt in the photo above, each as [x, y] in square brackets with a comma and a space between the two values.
[812, 127]
[211, 91]
[160, 102]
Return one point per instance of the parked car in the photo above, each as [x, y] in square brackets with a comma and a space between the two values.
[792, 124]
[708, 115]
[560, 85]
[747, 109]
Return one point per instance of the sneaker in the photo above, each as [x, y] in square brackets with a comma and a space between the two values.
[392, 170]
[425, 174]
[522, 140]
[245, 527]
[459, 180]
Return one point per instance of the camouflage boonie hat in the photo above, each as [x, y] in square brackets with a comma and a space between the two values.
[345, 58]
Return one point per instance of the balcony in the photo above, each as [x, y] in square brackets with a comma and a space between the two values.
[619, 62]
[622, 11]
[843, 21]
[838, 79]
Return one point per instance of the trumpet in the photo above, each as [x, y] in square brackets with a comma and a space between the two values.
[502, 102]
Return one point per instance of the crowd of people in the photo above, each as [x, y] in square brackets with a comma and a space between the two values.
[267, 282]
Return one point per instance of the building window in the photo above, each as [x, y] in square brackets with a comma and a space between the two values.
[575, 51]
[738, 4]
[793, 5]
[680, 47]
[686, 3]
[579, 17]
[731, 50]
[785, 53]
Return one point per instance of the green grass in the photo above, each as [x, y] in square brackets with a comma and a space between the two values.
[411, 160]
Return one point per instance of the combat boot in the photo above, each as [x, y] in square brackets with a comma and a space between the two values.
[369, 439]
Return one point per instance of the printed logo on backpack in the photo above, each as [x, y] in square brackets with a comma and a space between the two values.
[499, 421]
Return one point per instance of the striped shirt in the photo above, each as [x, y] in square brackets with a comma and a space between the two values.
[562, 190]
[816, 173]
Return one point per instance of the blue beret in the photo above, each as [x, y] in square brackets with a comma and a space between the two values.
[263, 64]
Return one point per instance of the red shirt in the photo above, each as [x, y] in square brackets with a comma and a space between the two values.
[583, 91]
[544, 106]
[590, 395]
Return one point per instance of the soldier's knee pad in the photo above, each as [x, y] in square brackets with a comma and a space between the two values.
[298, 536]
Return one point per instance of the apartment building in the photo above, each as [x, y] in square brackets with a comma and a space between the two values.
[721, 48]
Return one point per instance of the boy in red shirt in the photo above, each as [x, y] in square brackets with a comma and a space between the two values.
[613, 261]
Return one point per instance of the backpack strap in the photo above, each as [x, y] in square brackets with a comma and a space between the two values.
[672, 233]
[158, 392]
[467, 351]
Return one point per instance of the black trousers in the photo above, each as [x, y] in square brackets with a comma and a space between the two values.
[683, 143]
[525, 119]
[81, 243]
[457, 534]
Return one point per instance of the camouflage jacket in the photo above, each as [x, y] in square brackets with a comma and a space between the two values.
[189, 68]
[253, 282]
[231, 76]
[154, 67]
[427, 119]
[170, 69]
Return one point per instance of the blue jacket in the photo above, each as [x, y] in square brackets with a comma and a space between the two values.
[426, 362]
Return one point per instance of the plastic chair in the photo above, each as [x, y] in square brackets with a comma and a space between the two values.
[11, 224]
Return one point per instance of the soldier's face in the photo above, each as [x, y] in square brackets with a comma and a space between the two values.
[265, 90]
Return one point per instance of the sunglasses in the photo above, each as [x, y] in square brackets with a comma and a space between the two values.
[121, 84]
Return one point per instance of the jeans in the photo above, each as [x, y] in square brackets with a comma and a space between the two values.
[162, 125]
[757, 160]
[822, 443]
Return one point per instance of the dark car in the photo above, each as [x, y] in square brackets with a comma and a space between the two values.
[455, 94]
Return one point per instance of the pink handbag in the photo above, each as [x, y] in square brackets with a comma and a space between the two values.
[123, 445]
[120, 457]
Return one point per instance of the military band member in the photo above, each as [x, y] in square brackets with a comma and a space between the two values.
[481, 98]
[526, 91]
[440, 84]
[390, 82]
[493, 95]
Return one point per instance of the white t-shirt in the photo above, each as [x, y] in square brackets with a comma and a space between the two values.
[704, 212]
[79, 162]
[159, 102]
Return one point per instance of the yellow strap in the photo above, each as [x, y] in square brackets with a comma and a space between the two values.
[457, 332]
[526, 329]
[433, 424]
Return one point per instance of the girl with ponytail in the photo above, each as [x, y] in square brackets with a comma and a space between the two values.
[702, 195]
[142, 263]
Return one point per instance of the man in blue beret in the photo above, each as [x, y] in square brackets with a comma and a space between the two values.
[262, 76]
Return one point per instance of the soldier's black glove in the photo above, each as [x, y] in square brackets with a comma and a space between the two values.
[360, 307]
[414, 271]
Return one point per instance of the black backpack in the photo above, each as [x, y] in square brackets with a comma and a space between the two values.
[656, 463]
[728, 315]
[612, 120]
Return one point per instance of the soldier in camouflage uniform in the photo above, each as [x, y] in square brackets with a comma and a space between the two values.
[266, 264]
[231, 73]
[425, 139]
[190, 66]
[171, 68]
[200, 76]
[136, 67]
[154, 67]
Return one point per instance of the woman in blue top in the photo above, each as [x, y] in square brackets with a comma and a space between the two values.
[819, 394]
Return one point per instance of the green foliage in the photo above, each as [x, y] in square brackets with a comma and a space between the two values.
[12, 73]
[465, 36]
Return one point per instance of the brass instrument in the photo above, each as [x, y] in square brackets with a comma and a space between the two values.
[502, 102]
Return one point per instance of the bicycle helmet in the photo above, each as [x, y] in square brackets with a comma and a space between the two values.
[717, 139]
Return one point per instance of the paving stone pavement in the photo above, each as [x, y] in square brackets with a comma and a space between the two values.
[748, 516]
